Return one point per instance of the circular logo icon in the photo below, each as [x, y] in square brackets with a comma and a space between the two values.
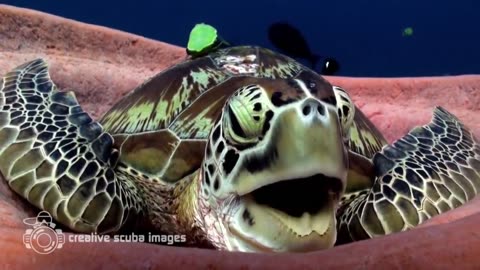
[44, 240]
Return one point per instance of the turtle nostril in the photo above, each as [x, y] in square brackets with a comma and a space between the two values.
[306, 110]
[313, 108]
[321, 109]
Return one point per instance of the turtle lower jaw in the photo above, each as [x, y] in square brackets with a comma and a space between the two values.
[302, 205]
[294, 215]
[261, 228]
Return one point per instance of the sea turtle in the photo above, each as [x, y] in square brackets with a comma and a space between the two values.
[242, 149]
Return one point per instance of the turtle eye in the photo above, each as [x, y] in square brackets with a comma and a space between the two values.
[345, 108]
[244, 116]
[235, 125]
[241, 126]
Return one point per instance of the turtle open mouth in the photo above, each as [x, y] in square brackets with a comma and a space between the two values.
[297, 196]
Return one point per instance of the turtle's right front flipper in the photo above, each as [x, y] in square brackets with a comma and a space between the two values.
[55, 156]
[432, 169]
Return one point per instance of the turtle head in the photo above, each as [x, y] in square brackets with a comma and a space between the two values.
[275, 167]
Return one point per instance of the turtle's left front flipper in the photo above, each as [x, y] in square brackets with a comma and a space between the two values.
[429, 171]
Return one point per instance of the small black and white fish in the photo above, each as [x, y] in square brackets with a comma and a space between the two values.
[291, 41]
[330, 66]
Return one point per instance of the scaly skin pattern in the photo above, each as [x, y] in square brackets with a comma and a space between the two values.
[433, 169]
[54, 155]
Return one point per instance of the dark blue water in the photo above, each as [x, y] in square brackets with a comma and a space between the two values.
[365, 36]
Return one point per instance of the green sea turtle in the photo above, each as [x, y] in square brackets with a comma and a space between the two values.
[242, 149]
